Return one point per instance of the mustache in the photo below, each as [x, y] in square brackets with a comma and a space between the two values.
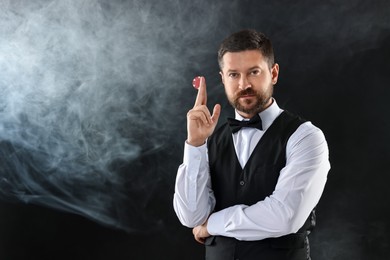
[245, 92]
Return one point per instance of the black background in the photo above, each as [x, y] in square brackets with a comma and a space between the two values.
[334, 70]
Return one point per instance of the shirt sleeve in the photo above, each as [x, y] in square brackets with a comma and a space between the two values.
[298, 190]
[193, 199]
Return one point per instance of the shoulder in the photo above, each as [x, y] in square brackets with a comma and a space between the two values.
[308, 129]
[307, 137]
[306, 134]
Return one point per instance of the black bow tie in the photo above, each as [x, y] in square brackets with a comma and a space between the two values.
[236, 125]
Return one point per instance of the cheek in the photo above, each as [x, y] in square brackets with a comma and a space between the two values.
[262, 83]
[230, 89]
[260, 79]
[267, 79]
[231, 84]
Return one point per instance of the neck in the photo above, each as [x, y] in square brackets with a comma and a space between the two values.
[246, 115]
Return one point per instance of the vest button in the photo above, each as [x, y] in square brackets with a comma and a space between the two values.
[242, 183]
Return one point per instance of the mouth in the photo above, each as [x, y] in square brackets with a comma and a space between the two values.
[246, 96]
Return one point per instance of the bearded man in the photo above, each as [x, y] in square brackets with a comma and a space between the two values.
[249, 188]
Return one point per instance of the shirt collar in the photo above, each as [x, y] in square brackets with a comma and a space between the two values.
[267, 116]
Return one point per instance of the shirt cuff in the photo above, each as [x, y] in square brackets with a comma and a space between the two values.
[216, 223]
[193, 152]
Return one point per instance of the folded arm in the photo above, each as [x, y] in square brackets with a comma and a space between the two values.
[298, 190]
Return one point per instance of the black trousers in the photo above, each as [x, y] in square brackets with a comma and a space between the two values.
[290, 247]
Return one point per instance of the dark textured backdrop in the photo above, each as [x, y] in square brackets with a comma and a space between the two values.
[92, 119]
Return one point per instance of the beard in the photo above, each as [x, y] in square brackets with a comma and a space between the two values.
[251, 106]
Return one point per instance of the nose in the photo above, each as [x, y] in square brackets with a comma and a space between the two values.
[244, 83]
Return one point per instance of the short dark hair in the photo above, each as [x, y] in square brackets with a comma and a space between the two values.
[247, 40]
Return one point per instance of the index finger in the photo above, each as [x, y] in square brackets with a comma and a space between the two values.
[201, 98]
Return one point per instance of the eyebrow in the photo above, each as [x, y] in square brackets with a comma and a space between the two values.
[254, 67]
[251, 68]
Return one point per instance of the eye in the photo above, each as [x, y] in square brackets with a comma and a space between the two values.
[233, 75]
[255, 72]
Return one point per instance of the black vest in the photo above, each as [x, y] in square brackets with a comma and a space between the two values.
[233, 185]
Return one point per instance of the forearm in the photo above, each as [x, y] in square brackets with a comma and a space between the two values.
[256, 222]
[193, 198]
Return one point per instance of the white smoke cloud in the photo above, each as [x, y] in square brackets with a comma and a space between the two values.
[88, 86]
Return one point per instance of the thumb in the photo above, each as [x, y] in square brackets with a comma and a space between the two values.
[216, 113]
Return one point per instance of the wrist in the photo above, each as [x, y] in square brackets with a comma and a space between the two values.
[195, 143]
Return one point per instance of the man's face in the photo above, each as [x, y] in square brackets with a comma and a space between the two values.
[248, 81]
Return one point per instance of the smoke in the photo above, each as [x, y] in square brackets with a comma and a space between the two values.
[88, 89]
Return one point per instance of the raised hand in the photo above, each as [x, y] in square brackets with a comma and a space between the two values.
[200, 122]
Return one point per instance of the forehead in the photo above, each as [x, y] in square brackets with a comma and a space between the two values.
[243, 60]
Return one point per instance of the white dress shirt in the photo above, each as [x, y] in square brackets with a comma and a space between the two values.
[297, 192]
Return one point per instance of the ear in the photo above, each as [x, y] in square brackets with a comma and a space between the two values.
[275, 73]
[222, 78]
